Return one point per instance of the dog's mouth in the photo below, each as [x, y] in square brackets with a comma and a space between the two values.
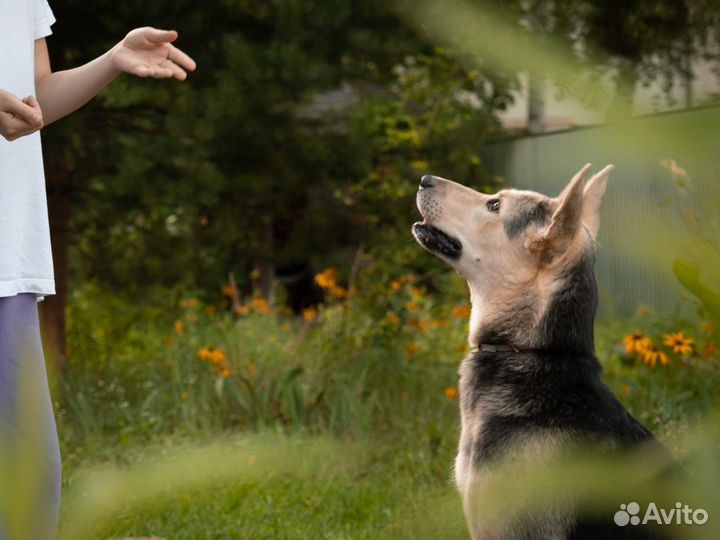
[436, 241]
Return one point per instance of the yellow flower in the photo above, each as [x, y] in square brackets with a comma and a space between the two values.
[225, 372]
[411, 349]
[679, 343]
[395, 285]
[179, 327]
[204, 353]
[451, 392]
[636, 343]
[652, 355]
[190, 303]
[461, 312]
[242, 310]
[310, 314]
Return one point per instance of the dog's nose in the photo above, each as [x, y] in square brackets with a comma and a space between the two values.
[427, 181]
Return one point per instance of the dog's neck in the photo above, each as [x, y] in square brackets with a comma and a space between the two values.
[555, 313]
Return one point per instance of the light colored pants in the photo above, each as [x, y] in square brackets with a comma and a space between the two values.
[30, 469]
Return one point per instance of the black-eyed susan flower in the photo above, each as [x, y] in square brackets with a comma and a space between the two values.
[636, 343]
[679, 343]
[652, 355]
[451, 392]
[310, 314]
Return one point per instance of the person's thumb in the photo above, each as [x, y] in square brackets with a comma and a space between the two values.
[156, 35]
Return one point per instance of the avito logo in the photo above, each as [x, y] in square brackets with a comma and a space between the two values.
[681, 514]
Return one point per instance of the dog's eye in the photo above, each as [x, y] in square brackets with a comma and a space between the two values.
[493, 205]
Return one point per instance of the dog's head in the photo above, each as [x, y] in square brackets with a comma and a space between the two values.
[509, 240]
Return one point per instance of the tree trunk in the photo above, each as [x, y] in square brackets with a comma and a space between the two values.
[536, 103]
[52, 309]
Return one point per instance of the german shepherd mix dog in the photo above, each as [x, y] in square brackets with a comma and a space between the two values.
[531, 384]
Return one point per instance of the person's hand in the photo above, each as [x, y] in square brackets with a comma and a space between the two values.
[148, 52]
[18, 117]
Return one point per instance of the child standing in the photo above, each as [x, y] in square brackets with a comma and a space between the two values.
[32, 95]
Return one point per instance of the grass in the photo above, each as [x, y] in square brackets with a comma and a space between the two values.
[342, 414]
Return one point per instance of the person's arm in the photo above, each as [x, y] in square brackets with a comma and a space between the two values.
[145, 52]
[18, 117]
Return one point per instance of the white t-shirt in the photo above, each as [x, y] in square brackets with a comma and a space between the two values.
[25, 255]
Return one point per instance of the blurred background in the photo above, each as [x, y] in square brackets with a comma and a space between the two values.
[233, 253]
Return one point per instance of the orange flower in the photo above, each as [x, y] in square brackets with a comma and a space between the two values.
[412, 305]
[417, 292]
[310, 314]
[420, 325]
[461, 312]
[242, 310]
[339, 292]
[710, 350]
[225, 372]
[392, 318]
[327, 279]
[190, 303]
[411, 349]
[451, 392]
[395, 285]
[179, 327]
[261, 306]
[679, 343]
[228, 290]
[625, 388]
[652, 355]
[636, 343]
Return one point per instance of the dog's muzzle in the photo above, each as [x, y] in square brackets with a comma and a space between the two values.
[436, 241]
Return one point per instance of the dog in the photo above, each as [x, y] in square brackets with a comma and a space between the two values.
[531, 384]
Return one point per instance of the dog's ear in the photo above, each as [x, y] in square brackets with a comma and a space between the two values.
[566, 220]
[593, 196]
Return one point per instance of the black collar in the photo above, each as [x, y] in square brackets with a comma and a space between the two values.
[494, 347]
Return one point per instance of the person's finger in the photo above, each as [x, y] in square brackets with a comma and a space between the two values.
[155, 35]
[14, 127]
[15, 106]
[181, 59]
[178, 72]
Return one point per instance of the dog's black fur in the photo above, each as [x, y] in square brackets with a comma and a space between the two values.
[555, 386]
